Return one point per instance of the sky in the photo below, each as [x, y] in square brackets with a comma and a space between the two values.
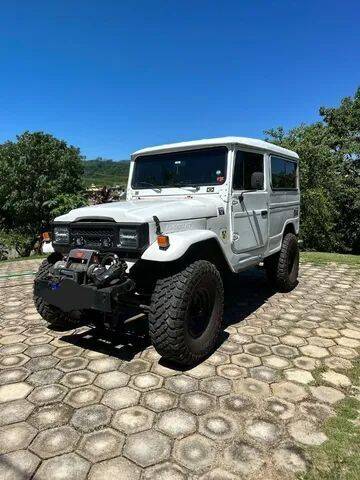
[114, 76]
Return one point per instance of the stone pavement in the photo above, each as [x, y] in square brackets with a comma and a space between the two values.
[73, 406]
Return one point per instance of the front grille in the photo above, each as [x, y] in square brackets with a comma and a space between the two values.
[94, 237]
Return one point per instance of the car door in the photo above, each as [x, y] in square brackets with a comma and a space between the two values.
[249, 204]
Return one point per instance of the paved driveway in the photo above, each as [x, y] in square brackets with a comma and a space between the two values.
[75, 407]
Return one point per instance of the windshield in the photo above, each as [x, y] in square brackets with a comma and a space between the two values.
[181, 169]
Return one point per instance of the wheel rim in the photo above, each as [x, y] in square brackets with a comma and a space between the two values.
[200, 310]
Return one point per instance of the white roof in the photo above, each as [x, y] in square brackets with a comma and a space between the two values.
[207, 142]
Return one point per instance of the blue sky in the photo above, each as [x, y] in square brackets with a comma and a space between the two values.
[114, 76]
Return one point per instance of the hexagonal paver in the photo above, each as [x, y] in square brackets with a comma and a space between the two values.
[113, 379]
[82, 396]
[264, 374]
[45, 377]
[195, 452]
[243, 458]
[14, 391]
[327, 394]
[136, 366]
[177, 423]
[121, 398]
[13, 361]
[146, 381]
[165, 471]
[314, 351]
[336, 379]
[257, 350]
[280, 408]
[289, 391]
[299, 376]
[290, 459]
[263, 431]
[306, 432]
[39, 350]
[15, 411]
[72, 364]
[285, 351]
[181, 384]
[41, 363]
[251, 386]
[245, 360]
[47, 394]
[68, 352]
[15, 375]
[117, 468]
[65, 467]
[89, 418]
[147, 448]
[133, 419]
[51, 416]
[19, 465]
[216, 386]
[101, 445]
[202, 371]
[316, 411]
[231, 371]
[217, 426]
[79, 378]
[102, 365]
[16, 436]
[55, 441]
[197, 402]
[238, 403]
[274, 361]
[306, 363]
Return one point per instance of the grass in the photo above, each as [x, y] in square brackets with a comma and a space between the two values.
[20, 259]
[339, 457]
[322, 258]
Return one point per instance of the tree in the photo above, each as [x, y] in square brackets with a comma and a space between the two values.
[38, 175]
[329, 154]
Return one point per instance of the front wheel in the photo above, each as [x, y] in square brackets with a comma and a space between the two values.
[282, 268]
[186, 313]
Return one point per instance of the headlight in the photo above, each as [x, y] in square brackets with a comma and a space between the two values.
[61, 235]
[128, 238]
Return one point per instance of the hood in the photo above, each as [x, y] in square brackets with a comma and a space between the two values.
[139, 211]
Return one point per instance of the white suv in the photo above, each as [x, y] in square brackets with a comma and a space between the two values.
[194, 211]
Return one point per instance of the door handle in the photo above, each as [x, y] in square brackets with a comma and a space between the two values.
[264, 213]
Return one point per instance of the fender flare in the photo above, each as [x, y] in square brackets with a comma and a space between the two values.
[180, 242]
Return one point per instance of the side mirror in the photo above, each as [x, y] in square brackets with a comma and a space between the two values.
[257, 180]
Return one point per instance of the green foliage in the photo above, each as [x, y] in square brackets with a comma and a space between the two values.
[330, 176]
[108, 173]
[38, 173]
[22, 243]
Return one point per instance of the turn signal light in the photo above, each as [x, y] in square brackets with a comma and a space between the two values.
[163, 241]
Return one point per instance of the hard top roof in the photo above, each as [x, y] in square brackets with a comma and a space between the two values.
[208, 142]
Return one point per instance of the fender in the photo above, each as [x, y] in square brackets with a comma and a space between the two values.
[180, 242]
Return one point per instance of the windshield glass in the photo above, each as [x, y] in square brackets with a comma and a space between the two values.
[180, 169]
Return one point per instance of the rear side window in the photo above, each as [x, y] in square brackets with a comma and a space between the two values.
[283, 174]
[246, 164]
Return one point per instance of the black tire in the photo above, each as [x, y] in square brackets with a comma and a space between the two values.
[51, 314]
[282, 268]
[186, 313]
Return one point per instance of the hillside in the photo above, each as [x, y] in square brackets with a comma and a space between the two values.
[106, 172]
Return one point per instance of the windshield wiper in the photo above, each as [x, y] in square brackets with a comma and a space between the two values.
[153, 187]
[184, 186]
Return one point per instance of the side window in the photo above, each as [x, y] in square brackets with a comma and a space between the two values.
[283, 174]
[248, 171]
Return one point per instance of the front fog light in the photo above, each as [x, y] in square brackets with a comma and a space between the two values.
[61, 235]
[128, 238]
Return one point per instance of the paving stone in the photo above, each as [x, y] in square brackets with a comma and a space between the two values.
[181, 384]
[307, 433]
[348, 342]
[299, 376]
[147, 448]
[133, 419]
[327, 394]
[338, 363]
[15, 375]
[89, 418]
[216, 386]
[290, 459]
[82, 396]
[274, 361]
[265, 374]
[251, 386]
[165, 471]
[65, 467]
[39, 350]
[136, 366]
[280, 408]
[55, 441]
[19, 465]
[45, 377]
[241, 404]
[289, 391]
[245, 360]
[177, 423]
[159, 400]
[317, 411]
[101, 445]
[195, 452]
[113, 379]
[336, 379]
[231, 371]
[116, 469]
[41, 363]
[217, 426]
[77, 378]
[257, 350]
[347, 353]
[146, 381]
[72, 364]
[13, 349]
[102, 365]
[218, 358]
[219, 474]
[121, 398]
[285, 351]
[16, 411]
[201, 371]
[11, 361]
[306, 363]
[314, 351]
[197, 402]
[14, 391]
[243, 458]
[51, 416]
[16, 436]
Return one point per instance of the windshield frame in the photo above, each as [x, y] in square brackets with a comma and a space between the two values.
[181, 185]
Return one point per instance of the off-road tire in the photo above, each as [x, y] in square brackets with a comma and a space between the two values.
[170, 319]
[51, 314]
[282, 268]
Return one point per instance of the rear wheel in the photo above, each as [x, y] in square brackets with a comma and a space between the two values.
[186, 313]
[51, 314]
[282, 268]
